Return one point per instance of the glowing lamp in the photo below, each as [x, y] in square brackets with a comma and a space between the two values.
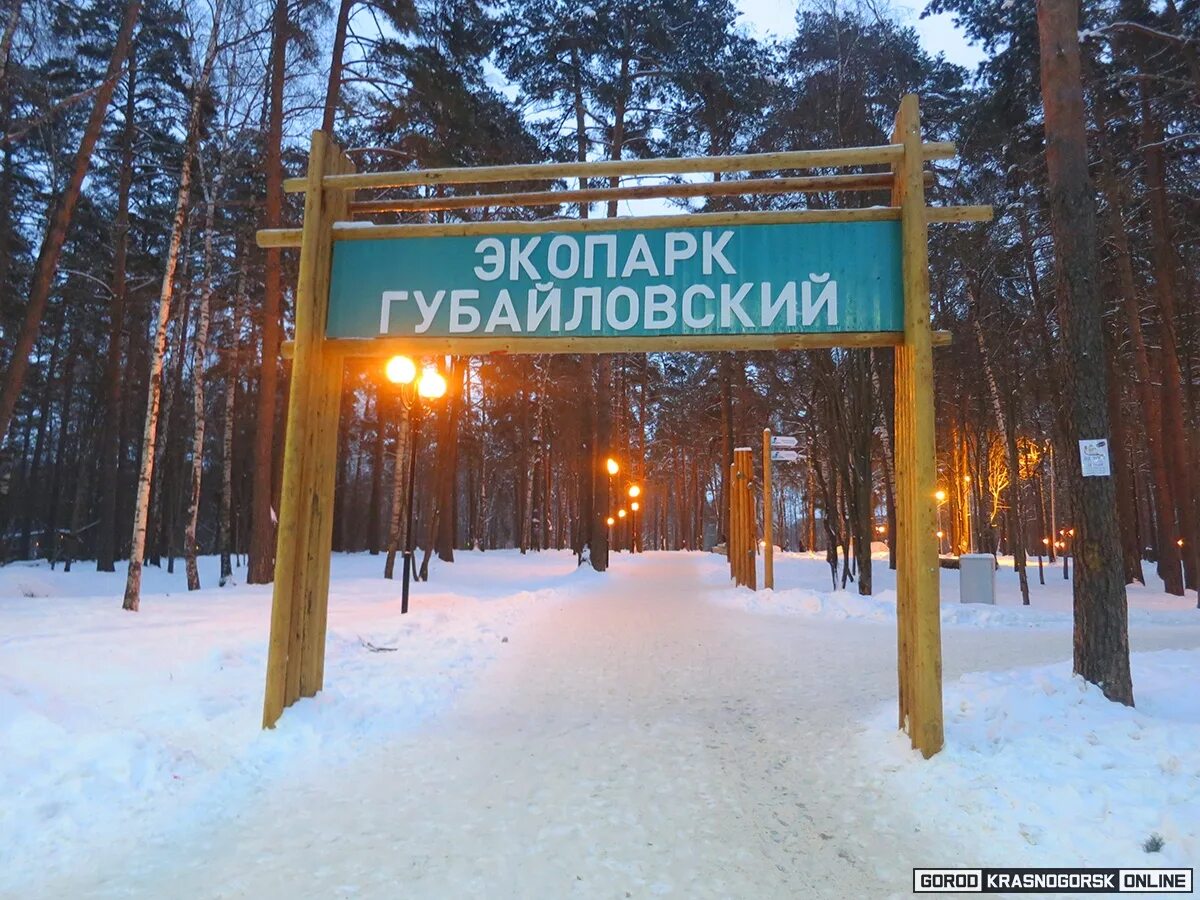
[432, 385]
[611, 465]
[400, 370]
[621, 513]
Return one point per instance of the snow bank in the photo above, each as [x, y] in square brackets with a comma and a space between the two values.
[1039, 769]
[803, 587]
[110, 719]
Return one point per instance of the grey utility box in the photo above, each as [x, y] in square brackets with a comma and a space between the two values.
[977, 578]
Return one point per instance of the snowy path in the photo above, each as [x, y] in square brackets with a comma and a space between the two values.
[631, 739]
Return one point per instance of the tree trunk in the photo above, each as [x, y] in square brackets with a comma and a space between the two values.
[397, 537]
[1101, 638]
[110, 420]
[60, 221]
[334, 87]
[199, 352]
[1175, 437]
[375, 502]
[225, 533]
[261, 565]
[1149, 398]
[133, 583]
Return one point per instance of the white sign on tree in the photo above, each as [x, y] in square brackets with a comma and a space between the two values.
[1093, 458]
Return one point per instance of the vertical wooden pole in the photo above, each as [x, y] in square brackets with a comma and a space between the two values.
[768, 513]
[326, 398]
[305, 521]
[731, 539]
[918, 608]
[743, 464]
[751, 521]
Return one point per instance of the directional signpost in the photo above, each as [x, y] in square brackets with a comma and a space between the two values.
[773, 450]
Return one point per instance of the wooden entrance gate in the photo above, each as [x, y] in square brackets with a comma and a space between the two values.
[295, 666]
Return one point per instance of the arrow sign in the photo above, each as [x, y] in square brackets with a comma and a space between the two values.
[783, 440]
[785, 455]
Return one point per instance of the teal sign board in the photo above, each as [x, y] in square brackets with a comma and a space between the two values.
[825, 277]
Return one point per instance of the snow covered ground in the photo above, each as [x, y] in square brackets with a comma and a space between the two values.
[542, 731]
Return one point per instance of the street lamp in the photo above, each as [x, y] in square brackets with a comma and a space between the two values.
[402, 371]
[940, 496]
[611, 465]
[432, 385]
[634, 491]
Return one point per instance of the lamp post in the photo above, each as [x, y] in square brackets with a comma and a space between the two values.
[431, 385]
[940, 496]
[967, 509]
[612, 467]
[634, 492]
[621, 514]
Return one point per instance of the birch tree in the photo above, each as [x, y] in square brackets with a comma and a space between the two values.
[133, 582]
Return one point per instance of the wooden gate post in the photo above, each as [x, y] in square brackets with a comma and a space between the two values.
[296, 653]
[768, 514]
[742, 520]
[918, 609]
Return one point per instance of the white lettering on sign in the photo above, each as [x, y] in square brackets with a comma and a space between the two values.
[828, 298]
[385, 313]
[560, 306]
[656, 307]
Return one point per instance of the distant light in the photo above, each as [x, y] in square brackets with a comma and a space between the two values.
[634, 506]
[1180, 542]
[967, 478]
[1046, 541]
[941, 534]
[634, 490]
[621, 513]
[400, 370]
[940, 496]
[611, 520]
[432, 385]
[612, 466]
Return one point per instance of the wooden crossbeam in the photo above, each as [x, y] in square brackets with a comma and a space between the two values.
[358, 231]
[806, 184]
[384, 347]
[746, 162]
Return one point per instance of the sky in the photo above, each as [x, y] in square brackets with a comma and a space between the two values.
[937, 33]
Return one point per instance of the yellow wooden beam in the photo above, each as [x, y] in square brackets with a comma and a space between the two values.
[355, 231]
[951, 214]
[384, 347]
[807, 184]
[918, 608]
[290, 237]
[746, 162]
[287, 626]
